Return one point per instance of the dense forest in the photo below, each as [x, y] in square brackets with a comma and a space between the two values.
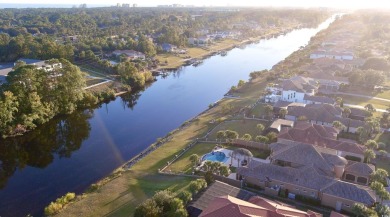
[61, 33]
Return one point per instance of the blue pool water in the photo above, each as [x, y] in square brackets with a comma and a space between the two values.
[215, 156]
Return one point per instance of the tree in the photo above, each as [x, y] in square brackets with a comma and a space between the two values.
[339, 100]
[148, 208]
[371, 144]
[368, 155]
[260, 127]
[262, 139]
[282, 112]
[380, 191]
[8, 110]
[240, 83]
[338, 125]
[268, 109]
[369, 107]
[272, 137]
[246, 137]
[347, 112]
[382, 210]
[194, 158]
[197, 185]
[231, 134]
[221, 135]
[379, 175]
[361, 210]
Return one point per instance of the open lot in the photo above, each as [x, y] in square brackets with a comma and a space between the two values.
[240, 126]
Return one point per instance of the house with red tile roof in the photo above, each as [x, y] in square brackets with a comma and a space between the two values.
[323, 136]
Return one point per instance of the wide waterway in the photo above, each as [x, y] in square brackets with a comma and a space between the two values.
[70, 153]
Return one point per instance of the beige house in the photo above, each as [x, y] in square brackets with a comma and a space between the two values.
[313, 172]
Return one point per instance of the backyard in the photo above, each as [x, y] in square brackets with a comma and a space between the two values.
[240, 126]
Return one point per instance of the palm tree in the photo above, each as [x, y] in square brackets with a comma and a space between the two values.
[221, 135]
[194, 158]
[246, 137]
[283, 112]
[268, 110]
[338, 125]
[369, 154]
[260, 127]
[369, 107]
[379, 175]
[347, 112]
[371, 144]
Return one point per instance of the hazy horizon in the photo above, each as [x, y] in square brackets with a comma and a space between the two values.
[360, 4]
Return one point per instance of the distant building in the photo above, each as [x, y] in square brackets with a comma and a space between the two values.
[168, 47]
[332, 55]
[131, 54]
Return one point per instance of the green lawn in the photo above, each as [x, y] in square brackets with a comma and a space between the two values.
[258, 111]
[354, 100]
[93, 81]
[183, 164]
[256, 152]
[240, 126]
[385, 138]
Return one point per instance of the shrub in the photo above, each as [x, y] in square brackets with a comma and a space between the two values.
[185, 196]
[53, 209]
[308, 200]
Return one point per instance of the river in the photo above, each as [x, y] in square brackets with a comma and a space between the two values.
[70, 153]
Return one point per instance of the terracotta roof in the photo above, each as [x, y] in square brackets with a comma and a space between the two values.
[230, 206]
[359, 168]
[300, 84]
[319, 135]
[351, 192]
[321, 159]
[359, 112]
[285, 104]
[217, 189]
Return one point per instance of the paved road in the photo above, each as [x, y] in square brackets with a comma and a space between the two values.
[362, 107]
[364, 96]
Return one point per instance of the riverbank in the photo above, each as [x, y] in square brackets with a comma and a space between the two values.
[169, 61]
[120, 196]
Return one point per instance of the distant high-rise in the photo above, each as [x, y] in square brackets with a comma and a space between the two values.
[134, 5]
[125, 5]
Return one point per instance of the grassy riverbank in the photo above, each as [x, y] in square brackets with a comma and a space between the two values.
[122, 194]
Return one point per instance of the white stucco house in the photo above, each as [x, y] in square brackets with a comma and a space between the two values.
[346, 55]
[295, 89]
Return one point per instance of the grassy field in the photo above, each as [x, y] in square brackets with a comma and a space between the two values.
[174, 61]
[240, 126]
[354, 100]
[183, 164]
[120, 196]
[93, 81]
[258, 111]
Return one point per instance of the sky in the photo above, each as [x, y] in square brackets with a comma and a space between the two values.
[350, 4]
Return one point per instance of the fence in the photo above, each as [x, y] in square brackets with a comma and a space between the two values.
[250, 144]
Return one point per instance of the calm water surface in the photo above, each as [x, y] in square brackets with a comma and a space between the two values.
[70, 153]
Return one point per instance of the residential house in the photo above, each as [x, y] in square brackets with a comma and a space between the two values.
[323, 114]
[309, 171]
[278, 124]
[221, 199]
[168, 47]
[359, 114]
[45, 65]
[343, 55]
[130, 54]
[323, 136]
[295, 88]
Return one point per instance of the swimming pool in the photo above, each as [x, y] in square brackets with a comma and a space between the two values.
[216, 156]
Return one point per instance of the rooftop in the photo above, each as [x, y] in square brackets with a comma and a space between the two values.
[300, 84]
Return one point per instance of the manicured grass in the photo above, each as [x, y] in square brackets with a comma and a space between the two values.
[384, 94]
[354, 100]
[258, 111]
[385, 138]
[172, 60]
[256, 152]
[183, 164]
[240, 126]
[90, 82]
[121, 196]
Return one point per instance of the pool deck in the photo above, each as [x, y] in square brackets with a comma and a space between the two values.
[228, 160]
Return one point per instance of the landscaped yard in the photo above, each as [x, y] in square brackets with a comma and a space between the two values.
[183, 164]
[240, 126]
[258, 111]
[256, 152]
